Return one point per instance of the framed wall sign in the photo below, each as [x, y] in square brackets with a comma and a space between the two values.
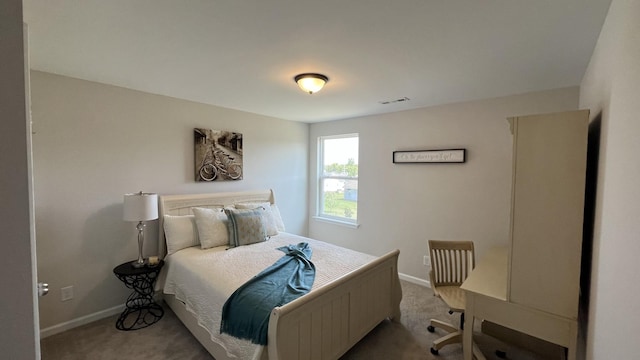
[443, 156]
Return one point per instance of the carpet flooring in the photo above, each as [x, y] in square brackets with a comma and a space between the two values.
[168, 339]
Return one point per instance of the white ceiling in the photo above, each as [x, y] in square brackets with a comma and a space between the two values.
[243, 54]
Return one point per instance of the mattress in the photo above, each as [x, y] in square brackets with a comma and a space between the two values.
[204, 279]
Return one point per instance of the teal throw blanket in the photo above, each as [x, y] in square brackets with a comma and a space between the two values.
[246, 313]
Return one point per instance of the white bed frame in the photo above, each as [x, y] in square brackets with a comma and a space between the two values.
[323, 324]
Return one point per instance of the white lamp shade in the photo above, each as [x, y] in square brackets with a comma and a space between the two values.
[140, 206]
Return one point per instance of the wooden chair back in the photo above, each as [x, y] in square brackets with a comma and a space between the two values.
[451, 262]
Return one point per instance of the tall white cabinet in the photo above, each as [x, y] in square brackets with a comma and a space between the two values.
[549, 167]
[532, 286]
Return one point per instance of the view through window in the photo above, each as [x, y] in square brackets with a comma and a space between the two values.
[338, 177]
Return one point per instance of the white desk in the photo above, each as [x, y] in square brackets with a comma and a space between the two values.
[487, 298]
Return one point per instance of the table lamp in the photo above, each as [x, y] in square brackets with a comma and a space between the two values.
[140, 207]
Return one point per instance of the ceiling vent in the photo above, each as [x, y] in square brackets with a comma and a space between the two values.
[394, 101]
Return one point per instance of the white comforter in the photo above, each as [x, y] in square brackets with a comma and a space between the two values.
[204, 279]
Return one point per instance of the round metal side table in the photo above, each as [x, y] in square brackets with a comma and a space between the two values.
[141, 310]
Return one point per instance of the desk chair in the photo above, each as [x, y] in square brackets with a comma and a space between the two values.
[451, 263]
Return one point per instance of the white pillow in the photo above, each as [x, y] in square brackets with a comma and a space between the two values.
[269, 220]
[277, 217]
[180, 232]
[212, 227]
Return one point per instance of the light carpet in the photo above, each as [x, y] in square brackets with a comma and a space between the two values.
[168, 339]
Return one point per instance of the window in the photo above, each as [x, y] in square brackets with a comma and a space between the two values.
[338, 178]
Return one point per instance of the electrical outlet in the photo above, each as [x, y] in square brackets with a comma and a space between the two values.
[66, 293]
[426, 260]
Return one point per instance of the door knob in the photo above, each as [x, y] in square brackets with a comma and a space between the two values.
[43, 289]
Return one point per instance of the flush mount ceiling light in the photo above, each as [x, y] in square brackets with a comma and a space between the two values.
[311, 83]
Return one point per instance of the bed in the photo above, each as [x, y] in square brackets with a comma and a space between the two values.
[344, 304]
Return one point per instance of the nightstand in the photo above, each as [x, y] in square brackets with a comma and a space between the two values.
[141, 309]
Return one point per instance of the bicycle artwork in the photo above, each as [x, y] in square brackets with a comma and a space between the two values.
[218, 155]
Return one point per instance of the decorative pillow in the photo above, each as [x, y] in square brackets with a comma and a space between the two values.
[180, 232]
[270, 222]
[246, 226]
[212, 227]
[277, 217]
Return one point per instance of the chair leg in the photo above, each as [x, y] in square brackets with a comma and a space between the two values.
[477, 354]
[452, 338]
[443, 325]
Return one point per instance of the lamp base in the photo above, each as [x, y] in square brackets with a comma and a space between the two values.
[141, 262]
[136, 264]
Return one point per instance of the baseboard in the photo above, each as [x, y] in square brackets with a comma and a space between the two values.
[414, 280]
[68, 325]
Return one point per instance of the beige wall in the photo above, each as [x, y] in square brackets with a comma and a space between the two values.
[611, 88]
[17, 303]
[94, 142]
[403, 205]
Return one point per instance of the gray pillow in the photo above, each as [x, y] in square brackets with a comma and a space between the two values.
[245, 226]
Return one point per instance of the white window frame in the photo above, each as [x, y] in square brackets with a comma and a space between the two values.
[320, 215]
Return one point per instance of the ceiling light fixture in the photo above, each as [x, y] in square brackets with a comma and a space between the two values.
[311, 83]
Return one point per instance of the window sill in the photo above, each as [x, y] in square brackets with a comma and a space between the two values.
[337, 222]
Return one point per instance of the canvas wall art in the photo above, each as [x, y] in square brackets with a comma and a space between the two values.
[218, 155]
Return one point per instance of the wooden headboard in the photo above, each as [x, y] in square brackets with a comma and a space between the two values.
[182, 204]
